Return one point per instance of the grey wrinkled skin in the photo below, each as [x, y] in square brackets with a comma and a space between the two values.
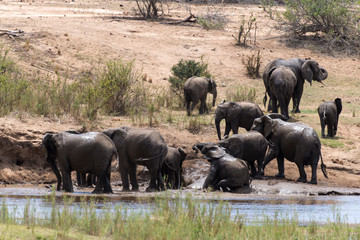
[226, 172]
[236, 114]
[296, 142]
[282, 82]
[329, 116]
[303, 69]
[90, 152]
[195, 90]
[139, 146]
[250, 146]
[172, 167]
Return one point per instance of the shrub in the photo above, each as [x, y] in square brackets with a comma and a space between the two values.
[241, 94]
[244, 34]
[184, 70]
[252, 64]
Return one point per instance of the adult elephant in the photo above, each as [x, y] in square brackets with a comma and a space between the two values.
[236, 114]
[296, 142]
[139, 146]
[303, 69]
[329, 115]
[226, 172]
[172, 167]
[282, 82]
[250, 146]
[195, 89]
[90, 152]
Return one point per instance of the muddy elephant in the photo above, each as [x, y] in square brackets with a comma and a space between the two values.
[90, 152]
[250, 146]
[282, 82]
[195, 89]
[139, 146]
[172, 167]
[226, 172]
[236, 114]
[303, 69]
[296, 142]
[329, 115]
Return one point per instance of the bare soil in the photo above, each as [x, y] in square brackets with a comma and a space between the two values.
[70, 37]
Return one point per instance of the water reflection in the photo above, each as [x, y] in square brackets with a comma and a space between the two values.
[253, 208]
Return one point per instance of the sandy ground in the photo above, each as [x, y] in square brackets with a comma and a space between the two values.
[69, 37]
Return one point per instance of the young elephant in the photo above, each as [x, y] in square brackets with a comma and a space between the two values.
[329, 115]
[226, 171]
[172, 167]
[296, 142]
[88, 152]
[250, 146]
[139, 146]
[195, 89]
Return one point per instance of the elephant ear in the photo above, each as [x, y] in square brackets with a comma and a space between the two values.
[267, 125]
[213, 151]
[212, 84]
[338, 105]
[309, 70]
[270, 72]
[117, 135]
[49, 143]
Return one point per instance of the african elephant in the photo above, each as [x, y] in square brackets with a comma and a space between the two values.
[226, 172]
[303, 69]
[236, 114]
[282, 82]
[329, 115]
[139, 146]
[250, 146]
[195, 89]
[172, 167]
[90, 152]
[296, 142]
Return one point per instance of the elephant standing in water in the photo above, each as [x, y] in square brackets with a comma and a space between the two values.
[296, 142]
[226, 172]
[139, 146]
[90, 152]
[172, 167]
[329, 115]
[195, 89]
[303, 69]
[282, 82]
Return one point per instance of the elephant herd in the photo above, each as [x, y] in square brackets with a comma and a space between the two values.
[234, 159]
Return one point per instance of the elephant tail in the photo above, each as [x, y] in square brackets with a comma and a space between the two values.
[265, 99]
[162, 154]
[323, 167]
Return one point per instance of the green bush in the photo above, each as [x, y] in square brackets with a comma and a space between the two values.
[336, 22]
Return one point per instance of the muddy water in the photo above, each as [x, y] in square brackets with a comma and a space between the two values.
[253, 208]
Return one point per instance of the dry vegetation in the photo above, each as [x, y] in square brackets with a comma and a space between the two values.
[69, 39]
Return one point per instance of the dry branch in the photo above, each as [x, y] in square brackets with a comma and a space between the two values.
[11, 33]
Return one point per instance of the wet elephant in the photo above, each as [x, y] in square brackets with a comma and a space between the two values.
[139, 146]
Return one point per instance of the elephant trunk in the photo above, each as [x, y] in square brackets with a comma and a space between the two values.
[214, 97]
[53, 166]
[217, 124]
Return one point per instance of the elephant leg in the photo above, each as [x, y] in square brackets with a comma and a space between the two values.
[133, 180]
[160, 182]
[227, 128]
[299, 160]
[314, 170]
[226, 185]
[124, 178]
[260, 171]
[322, 123]
[107, 185]
[335, 127]
[281, 169]
[298, 91]
[153, 178]
[269, 157]
[178, 179]
[234, 127]
[188, 107]
[252, 167]
[330, 130]
[67, 184]
[194, 103]
[274, 107]
[100, 184]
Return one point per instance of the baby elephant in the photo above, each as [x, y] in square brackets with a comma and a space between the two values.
[172, 167]
[226, 171]
[329, 115]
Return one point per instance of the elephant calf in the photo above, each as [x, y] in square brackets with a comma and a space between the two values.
[329, 115]
[172, 167]
[226, 171]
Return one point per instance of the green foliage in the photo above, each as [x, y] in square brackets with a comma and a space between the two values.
[241, 94]
[184, 70]
[212, 22]
[247, 29]
[336, 22]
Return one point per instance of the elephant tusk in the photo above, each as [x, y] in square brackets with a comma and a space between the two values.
[323, 83]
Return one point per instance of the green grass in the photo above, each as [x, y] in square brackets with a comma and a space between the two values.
[169, 218]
